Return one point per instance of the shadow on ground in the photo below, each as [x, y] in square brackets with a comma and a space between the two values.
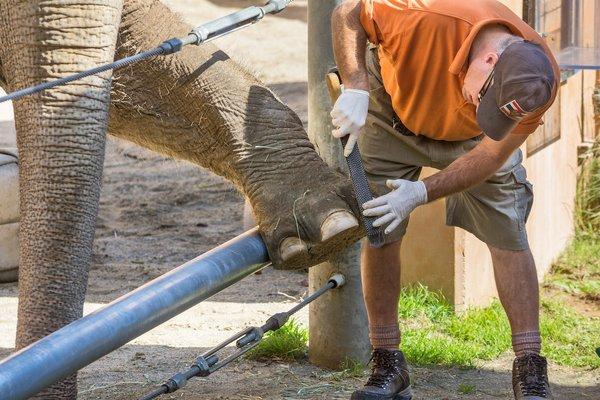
[134, 370]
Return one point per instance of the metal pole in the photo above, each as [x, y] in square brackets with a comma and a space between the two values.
[338, 325]
[78, 344]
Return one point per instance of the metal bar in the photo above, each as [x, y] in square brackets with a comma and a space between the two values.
[78, 344]
[227, 24]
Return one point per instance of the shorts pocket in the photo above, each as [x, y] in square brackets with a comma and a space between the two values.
[523, 194]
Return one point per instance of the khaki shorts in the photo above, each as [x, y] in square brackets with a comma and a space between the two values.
[494, 211]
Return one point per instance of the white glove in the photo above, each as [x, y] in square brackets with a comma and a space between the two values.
[394, 207]
[349, 115]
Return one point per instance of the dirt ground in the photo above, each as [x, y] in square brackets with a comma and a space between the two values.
[157, 213]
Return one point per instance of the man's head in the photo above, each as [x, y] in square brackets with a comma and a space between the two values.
[487, 47]
[507, 79]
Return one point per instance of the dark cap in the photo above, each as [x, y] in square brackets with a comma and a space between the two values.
[522, 84]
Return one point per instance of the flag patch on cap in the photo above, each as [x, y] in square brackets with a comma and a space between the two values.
[513, 110]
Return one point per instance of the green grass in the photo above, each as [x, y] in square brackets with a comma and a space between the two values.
[287, 343]
[569, 338]
[433, 334]
[348, 369]
[587, 205]
[578, 270]
[463, 388]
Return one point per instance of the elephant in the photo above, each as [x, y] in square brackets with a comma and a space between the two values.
[197, 105]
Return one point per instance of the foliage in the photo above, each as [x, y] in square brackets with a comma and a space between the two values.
[287, 343]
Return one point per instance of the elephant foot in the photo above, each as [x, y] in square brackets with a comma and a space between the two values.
[340, 230]
[306, 228]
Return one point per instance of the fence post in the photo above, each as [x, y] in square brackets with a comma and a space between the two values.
[338, 321]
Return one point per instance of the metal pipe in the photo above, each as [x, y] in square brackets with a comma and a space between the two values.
[78, 344]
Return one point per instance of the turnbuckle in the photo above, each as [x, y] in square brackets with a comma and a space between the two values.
[245, 341]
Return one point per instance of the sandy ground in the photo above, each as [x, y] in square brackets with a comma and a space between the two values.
[157, 213]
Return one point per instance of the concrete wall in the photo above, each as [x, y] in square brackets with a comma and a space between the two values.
[428, 248]
[9, 227]
[457, 263]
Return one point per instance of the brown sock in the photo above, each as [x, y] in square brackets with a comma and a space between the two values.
[527, 342]
[385, 336]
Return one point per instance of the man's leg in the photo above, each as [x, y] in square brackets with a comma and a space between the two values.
[380, 271]
[517, 283]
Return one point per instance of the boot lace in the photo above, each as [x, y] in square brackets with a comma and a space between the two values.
[384, 368]
[531, 375]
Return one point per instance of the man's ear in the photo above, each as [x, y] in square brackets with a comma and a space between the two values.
[492, 58]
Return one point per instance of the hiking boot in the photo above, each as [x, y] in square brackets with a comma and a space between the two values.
[530, 378]
[389, 378]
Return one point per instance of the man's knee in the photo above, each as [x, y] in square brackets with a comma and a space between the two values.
[505, 252]
[386, 250]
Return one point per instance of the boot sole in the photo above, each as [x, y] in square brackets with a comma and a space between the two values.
[406, 394]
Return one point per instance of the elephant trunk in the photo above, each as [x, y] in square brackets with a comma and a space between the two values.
[61, 138]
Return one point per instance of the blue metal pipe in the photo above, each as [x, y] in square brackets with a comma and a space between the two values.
[80, 343]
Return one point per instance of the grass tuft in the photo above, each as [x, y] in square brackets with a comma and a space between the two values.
[464, 388]
[348, 369]
[288, 343]
[418, 301]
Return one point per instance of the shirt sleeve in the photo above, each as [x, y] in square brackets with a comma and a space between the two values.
[367, 19]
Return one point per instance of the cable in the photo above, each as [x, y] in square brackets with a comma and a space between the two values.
[245, 341]
[199, 35]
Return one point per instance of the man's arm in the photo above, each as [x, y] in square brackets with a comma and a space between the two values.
[350, 45]
[472, 168]
[467, 171]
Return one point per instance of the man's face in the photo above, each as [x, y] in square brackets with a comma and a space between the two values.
[478, 75]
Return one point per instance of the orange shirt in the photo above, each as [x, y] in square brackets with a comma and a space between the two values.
[424, 48]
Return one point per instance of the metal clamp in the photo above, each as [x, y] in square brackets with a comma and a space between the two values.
[245, 341]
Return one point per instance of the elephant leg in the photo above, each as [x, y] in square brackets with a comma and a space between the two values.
[200, 106]
[61, 137]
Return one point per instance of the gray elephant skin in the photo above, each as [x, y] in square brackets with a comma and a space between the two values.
[197, 105]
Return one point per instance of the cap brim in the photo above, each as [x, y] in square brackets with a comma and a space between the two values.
[493, 122]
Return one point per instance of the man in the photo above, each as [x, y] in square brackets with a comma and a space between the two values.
[458, 86]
